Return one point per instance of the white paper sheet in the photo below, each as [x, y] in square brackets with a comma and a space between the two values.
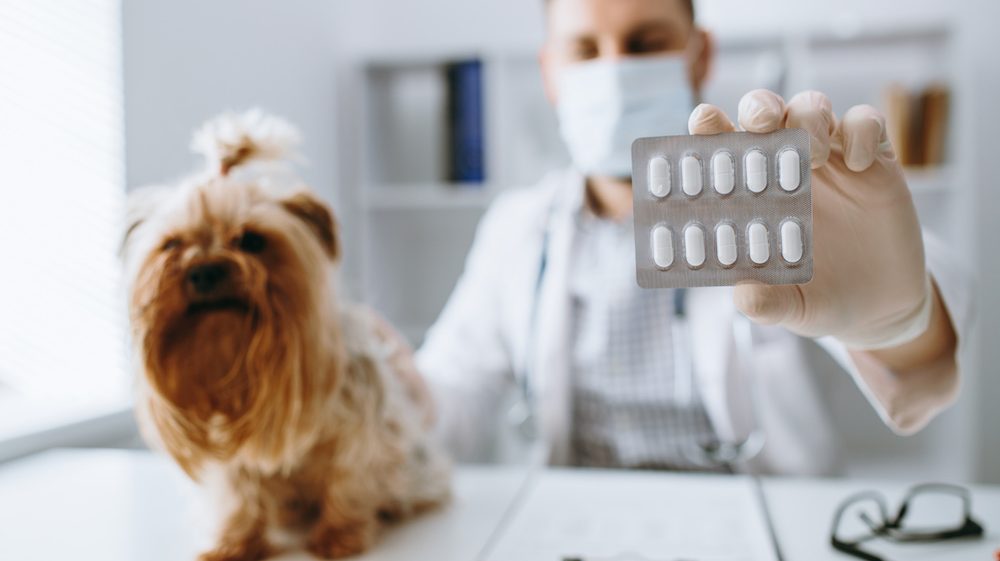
[636, 516]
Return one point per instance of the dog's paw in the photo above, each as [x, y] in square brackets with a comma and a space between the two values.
[248, 550]
[341, 540]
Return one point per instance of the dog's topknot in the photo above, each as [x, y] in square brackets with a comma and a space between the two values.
[233, 139]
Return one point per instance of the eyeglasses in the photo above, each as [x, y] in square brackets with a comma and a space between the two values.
[892, 528]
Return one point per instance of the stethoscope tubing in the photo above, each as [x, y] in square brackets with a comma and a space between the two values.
[523, 414]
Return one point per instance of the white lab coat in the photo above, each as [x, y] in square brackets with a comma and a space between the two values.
[480, 341]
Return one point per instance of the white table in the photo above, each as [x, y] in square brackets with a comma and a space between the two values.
[803, 509]
[116, 505]
[121, 505]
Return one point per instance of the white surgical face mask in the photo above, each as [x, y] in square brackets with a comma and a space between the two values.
[604, 105]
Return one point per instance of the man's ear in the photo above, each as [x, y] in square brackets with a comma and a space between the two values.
[701, 64]
[318, 217]
[547, 67]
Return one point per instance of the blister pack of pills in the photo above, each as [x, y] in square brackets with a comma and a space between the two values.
[714, 210]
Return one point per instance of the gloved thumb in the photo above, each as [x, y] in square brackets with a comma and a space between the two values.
[769, 304]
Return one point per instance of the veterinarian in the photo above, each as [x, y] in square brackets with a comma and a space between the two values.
[548, 309]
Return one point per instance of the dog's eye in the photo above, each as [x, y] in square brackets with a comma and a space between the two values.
[171, 243]
[251, 242]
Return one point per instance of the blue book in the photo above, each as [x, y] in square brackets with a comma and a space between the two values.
[465, 112]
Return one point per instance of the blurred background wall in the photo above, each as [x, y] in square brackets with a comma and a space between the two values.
[365, 80]
[187, 61]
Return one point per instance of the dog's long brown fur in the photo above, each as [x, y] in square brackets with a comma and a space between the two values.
[268, 390]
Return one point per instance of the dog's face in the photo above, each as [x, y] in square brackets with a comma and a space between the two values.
[229, 294]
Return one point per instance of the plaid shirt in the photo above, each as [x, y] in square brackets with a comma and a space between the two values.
[626, 410]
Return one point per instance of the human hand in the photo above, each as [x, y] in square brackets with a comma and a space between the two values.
[870, 287]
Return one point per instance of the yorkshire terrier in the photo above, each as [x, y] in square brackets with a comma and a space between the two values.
[256, 378]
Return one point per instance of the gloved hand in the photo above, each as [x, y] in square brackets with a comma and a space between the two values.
[870, 288]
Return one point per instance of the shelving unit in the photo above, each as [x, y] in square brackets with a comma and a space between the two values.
[930, 181]
[417, 226]
[429, 196]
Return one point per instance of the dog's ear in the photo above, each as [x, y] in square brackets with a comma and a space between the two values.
[139, 207]
[318, 217]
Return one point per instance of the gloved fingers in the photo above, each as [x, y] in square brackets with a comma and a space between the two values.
[864, 137]
[709, 119]
[761, 111]
[770, 304]
[813, 112]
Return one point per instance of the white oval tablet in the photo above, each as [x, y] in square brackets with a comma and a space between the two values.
[791, 241]
[756, 168]
[694, 245]
[788, 170]
[759, 249]
[722, 173]
[662, 246]
[691, 175]
[725, 244]
[659, 176]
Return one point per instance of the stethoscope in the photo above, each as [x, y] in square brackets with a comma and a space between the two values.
[523, 415]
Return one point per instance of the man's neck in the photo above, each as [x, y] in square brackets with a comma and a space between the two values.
[609, 198]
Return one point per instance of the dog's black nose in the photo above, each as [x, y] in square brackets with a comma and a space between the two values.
[205, 278]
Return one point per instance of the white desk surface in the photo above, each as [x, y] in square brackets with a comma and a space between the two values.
[116, 505]
[123, 505]
[802, 510]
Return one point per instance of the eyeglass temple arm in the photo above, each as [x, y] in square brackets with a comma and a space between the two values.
[853, 547]
[945, 488]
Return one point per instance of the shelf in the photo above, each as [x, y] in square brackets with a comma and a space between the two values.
[443, 196]
[835, 34]
[851, 34]
[929, 180]
[430, 196]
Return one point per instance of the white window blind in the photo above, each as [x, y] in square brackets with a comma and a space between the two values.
[62, 323]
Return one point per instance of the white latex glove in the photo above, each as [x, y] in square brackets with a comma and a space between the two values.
[870, 288]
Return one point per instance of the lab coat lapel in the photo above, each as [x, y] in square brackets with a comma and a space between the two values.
[553, 358]
[717, 369]
[710, 311]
